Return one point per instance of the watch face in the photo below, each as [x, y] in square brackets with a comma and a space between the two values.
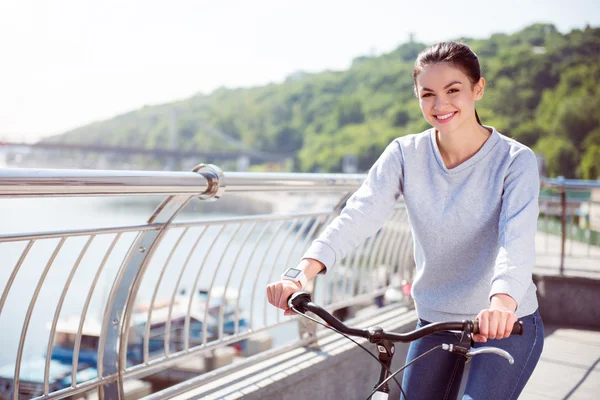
[292, 273]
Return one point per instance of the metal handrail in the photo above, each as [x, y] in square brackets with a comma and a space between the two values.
[569, 184]
[291, 182]
[235, 247]
[57, 182]
[16, 182]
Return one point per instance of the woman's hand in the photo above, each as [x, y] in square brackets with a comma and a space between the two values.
[497, 321]
[279, 292]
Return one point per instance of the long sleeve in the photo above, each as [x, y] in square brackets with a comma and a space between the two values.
[517, 228]
[365, 211]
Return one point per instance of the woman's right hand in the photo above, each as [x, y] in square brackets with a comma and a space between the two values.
[278, 294]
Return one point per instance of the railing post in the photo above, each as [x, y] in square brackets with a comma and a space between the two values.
[112, 351]
[563, 230]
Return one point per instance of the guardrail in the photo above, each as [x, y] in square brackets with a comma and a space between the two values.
[178, 289]
[557, 203]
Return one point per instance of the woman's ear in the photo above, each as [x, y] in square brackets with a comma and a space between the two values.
[479, 88]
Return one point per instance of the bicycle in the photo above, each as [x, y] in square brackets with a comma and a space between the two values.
[300, 303]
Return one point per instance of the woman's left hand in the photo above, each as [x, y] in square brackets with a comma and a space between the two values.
[497, 321]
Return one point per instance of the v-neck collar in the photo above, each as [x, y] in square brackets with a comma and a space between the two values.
[481, 153]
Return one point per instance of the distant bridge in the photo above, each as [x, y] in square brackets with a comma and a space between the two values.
[156, 152]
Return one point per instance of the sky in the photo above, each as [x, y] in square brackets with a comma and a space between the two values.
[67, 63]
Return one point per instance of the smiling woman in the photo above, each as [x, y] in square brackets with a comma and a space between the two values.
[448, 82]
[452, 54]
[471, 195]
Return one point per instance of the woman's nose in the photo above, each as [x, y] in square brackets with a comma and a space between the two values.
[440, 102]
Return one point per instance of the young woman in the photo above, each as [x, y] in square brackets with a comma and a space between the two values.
[472, 199]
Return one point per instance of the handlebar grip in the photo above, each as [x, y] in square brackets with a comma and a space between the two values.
[297, 299]
[517, 328]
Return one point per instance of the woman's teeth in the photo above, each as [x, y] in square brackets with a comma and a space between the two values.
[446, 116]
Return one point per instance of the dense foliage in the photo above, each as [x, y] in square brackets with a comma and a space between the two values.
[542, 89]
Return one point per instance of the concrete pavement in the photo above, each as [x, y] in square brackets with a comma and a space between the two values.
[569, 367]
[581, 259]
[570, 364]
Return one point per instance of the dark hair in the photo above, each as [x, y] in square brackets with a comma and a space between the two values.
[457, 54]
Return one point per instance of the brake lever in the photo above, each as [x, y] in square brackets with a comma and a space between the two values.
[491, 350]
[483, 350]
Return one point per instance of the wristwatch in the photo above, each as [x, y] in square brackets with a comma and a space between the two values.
[295, 275]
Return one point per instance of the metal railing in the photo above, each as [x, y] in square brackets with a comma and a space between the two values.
[174, 290]
[573, 214]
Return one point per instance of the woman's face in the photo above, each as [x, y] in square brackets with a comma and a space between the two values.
[447, 97]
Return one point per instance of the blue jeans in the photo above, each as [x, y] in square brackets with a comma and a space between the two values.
[438, 375]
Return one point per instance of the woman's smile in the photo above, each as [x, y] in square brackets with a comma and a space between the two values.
[445, 118]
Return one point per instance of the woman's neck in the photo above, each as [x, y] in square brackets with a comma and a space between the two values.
[461, 145]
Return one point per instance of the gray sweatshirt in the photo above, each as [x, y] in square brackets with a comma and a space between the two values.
[473, 225]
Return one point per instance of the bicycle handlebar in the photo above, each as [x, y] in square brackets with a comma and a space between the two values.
[301, 301]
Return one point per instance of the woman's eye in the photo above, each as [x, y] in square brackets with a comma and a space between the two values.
[427, 95]
[453, 91]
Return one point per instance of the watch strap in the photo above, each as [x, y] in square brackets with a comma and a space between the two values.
[295, 275]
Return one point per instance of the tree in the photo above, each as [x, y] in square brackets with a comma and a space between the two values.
[560, 156]
[590, 163]
[349, 112]
[577, 117]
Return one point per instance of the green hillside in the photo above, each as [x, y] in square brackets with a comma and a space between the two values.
[542, 89]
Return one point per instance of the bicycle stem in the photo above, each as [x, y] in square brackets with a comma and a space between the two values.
[386, 350]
